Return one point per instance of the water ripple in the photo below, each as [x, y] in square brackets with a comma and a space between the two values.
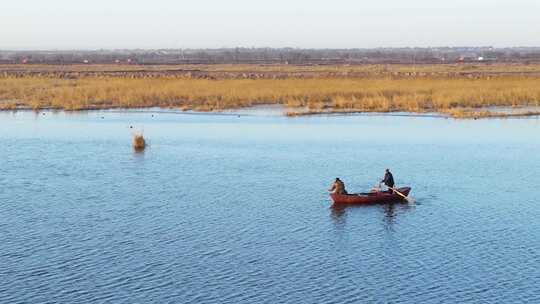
[222, 211]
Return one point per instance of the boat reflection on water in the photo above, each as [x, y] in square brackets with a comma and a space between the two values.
[389, 216]
[338, 212]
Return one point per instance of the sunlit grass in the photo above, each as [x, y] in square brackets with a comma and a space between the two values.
[451, 95]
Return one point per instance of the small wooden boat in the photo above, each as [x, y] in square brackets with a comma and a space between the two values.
[376, 197]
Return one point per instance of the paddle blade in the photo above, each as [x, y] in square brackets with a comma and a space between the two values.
[410, 200]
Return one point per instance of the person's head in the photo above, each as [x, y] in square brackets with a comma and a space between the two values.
[387, 170]
[337, 179]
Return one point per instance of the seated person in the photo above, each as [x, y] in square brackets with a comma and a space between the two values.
[388, 180]
[338, 187]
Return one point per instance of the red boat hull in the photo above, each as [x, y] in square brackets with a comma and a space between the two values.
[370, 198]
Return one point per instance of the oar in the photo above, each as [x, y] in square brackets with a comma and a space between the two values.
[408, 199]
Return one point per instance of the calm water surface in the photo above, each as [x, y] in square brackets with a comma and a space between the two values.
[228, 209]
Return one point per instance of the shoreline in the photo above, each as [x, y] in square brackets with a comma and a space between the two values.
[278, 110]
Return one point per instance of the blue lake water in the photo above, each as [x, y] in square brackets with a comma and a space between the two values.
[234, 209]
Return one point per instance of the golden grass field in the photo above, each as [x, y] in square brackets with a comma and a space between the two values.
[457, 90]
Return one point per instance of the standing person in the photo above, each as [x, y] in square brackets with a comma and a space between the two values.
[338, 187]
[388, 180]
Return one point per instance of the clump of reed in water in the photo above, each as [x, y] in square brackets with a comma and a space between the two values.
[139, 143]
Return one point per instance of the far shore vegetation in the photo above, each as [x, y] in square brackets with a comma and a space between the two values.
[461, 91]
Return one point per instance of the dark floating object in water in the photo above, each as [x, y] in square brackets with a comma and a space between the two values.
[131, 127]
[139, 143]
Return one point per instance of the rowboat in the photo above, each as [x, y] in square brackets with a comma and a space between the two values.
[376, 197]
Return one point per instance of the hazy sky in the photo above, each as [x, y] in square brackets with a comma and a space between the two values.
[67, 24]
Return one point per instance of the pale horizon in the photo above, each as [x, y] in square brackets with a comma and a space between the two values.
[208, 24]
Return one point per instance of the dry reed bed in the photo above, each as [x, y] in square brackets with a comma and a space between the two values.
[369, 68]
[243, 71]
[454, 96]
[138, 143]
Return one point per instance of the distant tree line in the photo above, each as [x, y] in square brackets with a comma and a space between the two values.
[276, 56]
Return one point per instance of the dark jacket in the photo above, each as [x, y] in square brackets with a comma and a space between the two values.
[388, 179]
